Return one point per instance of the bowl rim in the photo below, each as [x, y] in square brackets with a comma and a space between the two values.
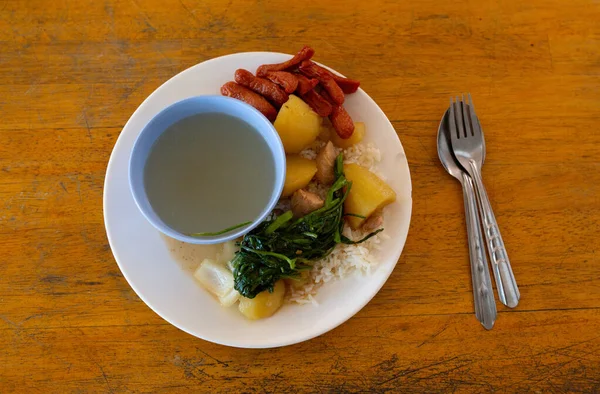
[139, 193]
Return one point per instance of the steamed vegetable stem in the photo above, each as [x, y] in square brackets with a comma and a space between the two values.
[355, 215]
[280, 221]
[209, 234]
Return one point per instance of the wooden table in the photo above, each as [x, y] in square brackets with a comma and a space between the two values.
[71, 74]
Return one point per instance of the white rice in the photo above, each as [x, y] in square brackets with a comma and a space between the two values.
[345, 259]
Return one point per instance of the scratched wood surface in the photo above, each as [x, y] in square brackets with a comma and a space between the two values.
[71, 74]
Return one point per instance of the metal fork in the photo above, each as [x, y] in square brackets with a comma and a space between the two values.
[469, 148]
[483, 295]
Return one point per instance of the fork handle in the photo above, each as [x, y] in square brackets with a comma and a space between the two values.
[483, 296]
[508, 292]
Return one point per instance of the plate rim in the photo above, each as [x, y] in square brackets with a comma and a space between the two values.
[326, 327]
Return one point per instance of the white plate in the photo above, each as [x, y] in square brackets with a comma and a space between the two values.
[143, 254]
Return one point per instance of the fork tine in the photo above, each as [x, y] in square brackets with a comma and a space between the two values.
[471, 102]
[475, 126]
[459, 118]
[467, 120]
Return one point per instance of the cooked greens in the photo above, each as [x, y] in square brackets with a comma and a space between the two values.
[282, 246]
[209, 234]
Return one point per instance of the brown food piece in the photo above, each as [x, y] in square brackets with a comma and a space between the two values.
[325, 131]
[325, 95]
[262, 86]
[373, 222]
[304, 202]
[305, 84]
[232, 89]
[304, 54]
[317, 103]
[286, 80]
[311, 70]
[341, 121]
[325, 163]
[346, 84]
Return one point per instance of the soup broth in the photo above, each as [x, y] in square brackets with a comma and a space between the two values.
[209, 172]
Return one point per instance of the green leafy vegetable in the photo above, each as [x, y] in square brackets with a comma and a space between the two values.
[220, 232]
[282, 247]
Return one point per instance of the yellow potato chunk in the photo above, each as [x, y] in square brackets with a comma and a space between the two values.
[264, 304]
[367, 194]
[298, 173]
[297, 125]
[355, 138]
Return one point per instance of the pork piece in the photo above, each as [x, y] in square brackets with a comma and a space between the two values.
[325, 164]
[304, 54]
[262, 86]
[342, 122]
[346, 84]
[304, 202]
[286, 80]
[373, 222]
[340, 119]
[317, 103]
[305, 84]
[311, 70]
[232, 89]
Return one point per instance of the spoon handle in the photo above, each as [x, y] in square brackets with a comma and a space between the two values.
[483, 296]
[508, 291]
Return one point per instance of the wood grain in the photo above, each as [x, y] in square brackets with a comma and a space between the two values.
[71, 74]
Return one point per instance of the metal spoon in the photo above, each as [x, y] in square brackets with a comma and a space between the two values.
[483, 297]
[468, 147]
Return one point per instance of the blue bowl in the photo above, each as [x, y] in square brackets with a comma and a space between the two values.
[186, 108]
